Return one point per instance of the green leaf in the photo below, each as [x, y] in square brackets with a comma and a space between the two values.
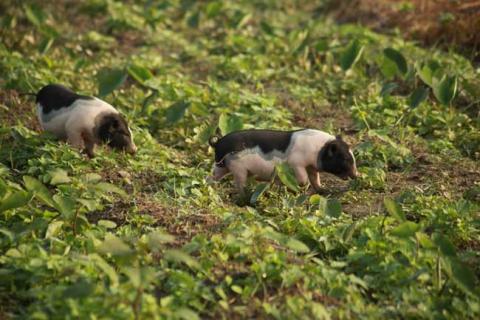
[394, 209]
[387, 88]
[287, 176]
[259, 190]
[111, 188]
[229, 123]
[334, 208]
[427, 71]
[139, 73]
[351, 55]
[424, 240]
[53, 229]
[463, 277]
[405, 230]
[65, 205]
[35, 15]
[114, 246]
[78, 290]
[15, 200]
[445, 89]
[176, 111]
[349, 231]
[39, 189]
[186, 314]
[297, 245]
[109, 80]
[107, 224]
[397, 58]
[417, 97]
[156, 240]
[444, 245]
[181, 257]
[59, 176]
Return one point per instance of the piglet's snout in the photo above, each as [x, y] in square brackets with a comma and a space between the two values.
[353, 174]
[132, 149]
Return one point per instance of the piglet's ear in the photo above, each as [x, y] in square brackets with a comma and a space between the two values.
[332, 149]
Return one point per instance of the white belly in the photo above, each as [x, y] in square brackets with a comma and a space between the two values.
[255, 162]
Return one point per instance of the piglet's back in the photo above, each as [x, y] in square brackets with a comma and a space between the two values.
[266, 140]
[54, 97]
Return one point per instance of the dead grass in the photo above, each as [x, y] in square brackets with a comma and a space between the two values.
[433, 22]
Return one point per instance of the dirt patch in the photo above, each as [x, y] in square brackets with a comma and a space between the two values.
[184, 226]
[16, 109]
[433, 22]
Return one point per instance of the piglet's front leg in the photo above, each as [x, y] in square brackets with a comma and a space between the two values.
[314, 178]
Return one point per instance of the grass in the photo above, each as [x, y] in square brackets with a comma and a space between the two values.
[146, 237]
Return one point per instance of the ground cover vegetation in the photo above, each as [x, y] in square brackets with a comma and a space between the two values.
[146, 237]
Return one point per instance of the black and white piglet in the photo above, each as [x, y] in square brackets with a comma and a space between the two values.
[82, 120]
[256, 152]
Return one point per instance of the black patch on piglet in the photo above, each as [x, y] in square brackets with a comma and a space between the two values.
[113, 129]
[335, 158]
[266, 140]
[55, 96]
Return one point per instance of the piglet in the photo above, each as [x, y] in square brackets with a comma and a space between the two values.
[256, 152]
[82, 121]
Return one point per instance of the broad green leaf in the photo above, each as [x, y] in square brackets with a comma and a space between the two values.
[53, 229]
[425, 240]
[387, 67]
[229, 123]
[287, 176]
[463, 277]
[427, 71]
[394, 209]
[108, 187]
[78, 290]
[15, 200]
[351, 55]
[39, 189]
[91, 177]
[349, 231]
[109, 80]
[156, 240]
[65, 205]
[405, 230]
[417, 97]
[176, 111]
[203, 133]
[388, 88]
[106, 268]
[107, 224]
[139, 73]
[182, 257]
[9, 234]
[114, 246]
[59, 176]
[259, 190]
[3, 188]
[186, 314]
[397, 58]
[334, 208]
[297, 245]
[444, 245]
[445, 89]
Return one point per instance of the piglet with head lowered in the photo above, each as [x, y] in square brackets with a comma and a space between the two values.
[82, 120]
[256, 152]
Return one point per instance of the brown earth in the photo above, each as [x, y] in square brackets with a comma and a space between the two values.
[444, 22]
